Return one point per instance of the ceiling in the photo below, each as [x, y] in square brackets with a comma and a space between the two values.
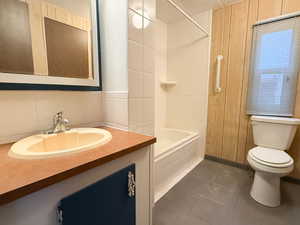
[168, 14]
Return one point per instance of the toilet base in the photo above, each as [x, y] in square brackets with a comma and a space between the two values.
[266, 189]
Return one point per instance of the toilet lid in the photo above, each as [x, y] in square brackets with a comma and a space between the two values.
[270, 156]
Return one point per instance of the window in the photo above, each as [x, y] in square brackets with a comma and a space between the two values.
[274, 68]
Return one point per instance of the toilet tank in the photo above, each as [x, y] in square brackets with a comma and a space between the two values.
[274, 132]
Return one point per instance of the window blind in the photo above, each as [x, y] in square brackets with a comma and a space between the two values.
[274, 68]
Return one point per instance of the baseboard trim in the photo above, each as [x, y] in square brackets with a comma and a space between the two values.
[246, 167]
[291, 180]
[228, 162]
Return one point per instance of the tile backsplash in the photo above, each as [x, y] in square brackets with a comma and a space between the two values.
[26, 112]
[115, 109]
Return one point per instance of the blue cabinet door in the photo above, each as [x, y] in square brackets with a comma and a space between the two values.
[110, 201]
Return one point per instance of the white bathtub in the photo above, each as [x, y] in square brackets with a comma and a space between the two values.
[176, 153]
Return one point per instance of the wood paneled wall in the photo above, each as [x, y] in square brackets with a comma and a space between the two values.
[229, 131]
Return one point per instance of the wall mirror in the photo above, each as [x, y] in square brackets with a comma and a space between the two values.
[49, 45]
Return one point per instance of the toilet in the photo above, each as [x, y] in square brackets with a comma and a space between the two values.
[273, 137]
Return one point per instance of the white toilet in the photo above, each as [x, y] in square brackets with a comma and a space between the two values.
[273, 136]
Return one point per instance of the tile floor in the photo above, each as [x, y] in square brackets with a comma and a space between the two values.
[216, 194]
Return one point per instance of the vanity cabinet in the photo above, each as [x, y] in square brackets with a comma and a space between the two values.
[110, 201]
[113, 205]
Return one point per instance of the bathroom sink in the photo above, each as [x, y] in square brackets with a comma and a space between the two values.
[49, 145]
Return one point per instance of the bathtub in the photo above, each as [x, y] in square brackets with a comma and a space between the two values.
[176, 153]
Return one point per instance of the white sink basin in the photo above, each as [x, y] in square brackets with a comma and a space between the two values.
[44, 146]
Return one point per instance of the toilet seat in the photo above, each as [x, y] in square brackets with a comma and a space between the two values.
[271, 157]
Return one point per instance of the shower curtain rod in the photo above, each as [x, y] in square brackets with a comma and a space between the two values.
[184, 13]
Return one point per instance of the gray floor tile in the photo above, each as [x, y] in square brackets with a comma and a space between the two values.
[215, 194]
[233, 178]
[251, 212]
[208, 190]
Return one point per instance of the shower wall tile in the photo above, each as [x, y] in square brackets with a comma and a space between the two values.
[145, 7]
[141, 71]
[136, 5]
[148, 85]
[115, 109]
[149, 32]
[160, 38]
[135, 84]
[148, 110]
[188, 64]
[141, 116]
[136, 112]
[135, 56]
[149, 61]
[135, 20]
[150, 9]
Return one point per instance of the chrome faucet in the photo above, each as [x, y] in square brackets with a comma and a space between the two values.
[59, 124]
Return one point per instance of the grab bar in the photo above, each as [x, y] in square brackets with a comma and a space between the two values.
[218, 88]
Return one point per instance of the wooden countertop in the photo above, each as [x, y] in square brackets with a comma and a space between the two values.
[20, 177]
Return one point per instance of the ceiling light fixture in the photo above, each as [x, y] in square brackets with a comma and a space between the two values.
[137, 20]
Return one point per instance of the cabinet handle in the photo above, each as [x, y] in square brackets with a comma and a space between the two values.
[131, 184]
[59, 216]
[218, 88]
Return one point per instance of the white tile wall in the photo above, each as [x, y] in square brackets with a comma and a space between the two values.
[136, 114]
[149, 35]
[136, 4]
[149, 63]
[133, 33]
[135, 84]
[150, 9]
[27, 112]
[141, 67]
[148, 85]
[135, 56]
[115, 109]
[148, 110]
[160, 74]
[188, 65]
